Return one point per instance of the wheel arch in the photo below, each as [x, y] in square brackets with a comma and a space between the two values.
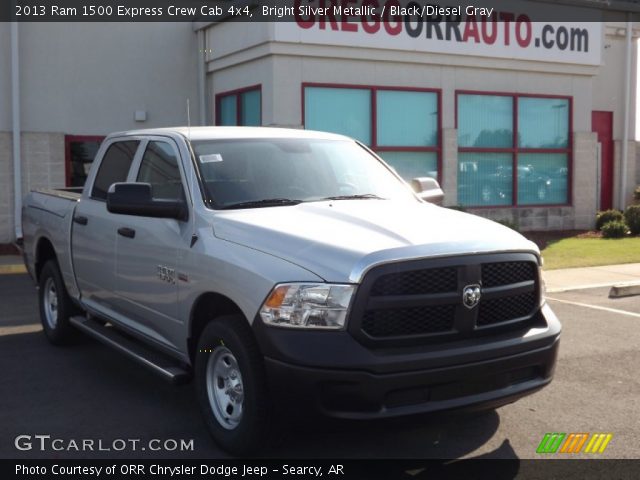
[207, 308]
[43, 253]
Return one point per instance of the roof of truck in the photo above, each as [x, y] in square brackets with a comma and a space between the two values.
[218, 133]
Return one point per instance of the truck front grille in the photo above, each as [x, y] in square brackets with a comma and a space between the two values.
[415, 282]
[422, 301]
[409, 321]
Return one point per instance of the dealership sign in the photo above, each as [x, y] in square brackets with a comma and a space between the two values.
[459, 30]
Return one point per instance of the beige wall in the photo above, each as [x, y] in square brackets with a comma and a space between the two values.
[89, 79]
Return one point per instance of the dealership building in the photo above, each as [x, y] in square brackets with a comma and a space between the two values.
[527, 121]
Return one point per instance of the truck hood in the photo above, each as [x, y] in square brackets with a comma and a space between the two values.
[340, 240]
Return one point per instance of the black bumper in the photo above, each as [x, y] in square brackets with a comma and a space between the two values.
[331, 374]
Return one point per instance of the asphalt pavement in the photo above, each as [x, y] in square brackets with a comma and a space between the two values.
[88, 391]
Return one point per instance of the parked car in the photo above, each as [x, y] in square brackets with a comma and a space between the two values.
[288, 273]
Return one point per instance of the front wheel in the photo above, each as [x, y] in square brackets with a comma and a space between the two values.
[55, 306]
[231, 386]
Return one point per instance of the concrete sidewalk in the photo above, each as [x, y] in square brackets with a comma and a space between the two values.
[592, 277]
[556, 280]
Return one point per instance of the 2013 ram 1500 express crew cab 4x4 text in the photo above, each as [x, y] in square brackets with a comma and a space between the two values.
[288, 272]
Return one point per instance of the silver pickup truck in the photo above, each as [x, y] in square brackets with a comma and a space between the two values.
[288, 272]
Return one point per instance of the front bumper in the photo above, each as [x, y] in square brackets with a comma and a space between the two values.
[333, 375]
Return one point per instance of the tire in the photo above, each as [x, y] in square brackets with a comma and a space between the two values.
[56, 306]
[231, 386]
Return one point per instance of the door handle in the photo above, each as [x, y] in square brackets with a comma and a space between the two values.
[127, 232]
[80, 220]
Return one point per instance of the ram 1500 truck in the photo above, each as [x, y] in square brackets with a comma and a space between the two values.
[288, 272]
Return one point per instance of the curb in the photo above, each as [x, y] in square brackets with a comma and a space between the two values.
[624, 290]
[12, 269]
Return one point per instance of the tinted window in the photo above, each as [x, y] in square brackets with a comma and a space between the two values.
[159, 167]
[114, 167]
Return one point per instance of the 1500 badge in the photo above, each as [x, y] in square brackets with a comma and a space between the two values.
[166, 274]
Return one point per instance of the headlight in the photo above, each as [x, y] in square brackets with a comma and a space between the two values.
[298, 305]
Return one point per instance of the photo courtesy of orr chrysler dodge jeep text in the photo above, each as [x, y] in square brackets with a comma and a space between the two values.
[288, 272]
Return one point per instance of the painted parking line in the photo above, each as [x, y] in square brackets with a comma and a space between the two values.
[12, 269]
[596, 307]
[19, 329]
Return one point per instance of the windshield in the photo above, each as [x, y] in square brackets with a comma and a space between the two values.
[266, 172]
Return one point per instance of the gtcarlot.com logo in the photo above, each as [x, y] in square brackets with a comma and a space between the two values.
[574, 443]
[45, 443]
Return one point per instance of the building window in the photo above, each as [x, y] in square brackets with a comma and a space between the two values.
[499, 134]
[239, 107]
[401, 125]
[79, 154]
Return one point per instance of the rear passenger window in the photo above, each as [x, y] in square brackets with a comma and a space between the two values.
[114, 167]
[159, 167]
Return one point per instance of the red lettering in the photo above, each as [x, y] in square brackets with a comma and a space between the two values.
[302, 23]
[506, 18]
[525, 40]
[346, 26]
[388, 26]
[471, 29]
[330, 16]
[374, 26]
[490, 38]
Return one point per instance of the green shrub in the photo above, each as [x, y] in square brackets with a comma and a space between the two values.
[614, 229]
[632, 219]
[608, 216]
[636, 194]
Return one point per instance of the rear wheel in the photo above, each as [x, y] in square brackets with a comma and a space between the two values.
[231, 386]
[55, 306]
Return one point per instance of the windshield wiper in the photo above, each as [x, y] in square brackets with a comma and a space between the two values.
[363, 196]
[267, 202]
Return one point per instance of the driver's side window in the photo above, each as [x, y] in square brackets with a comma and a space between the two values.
[159, 167]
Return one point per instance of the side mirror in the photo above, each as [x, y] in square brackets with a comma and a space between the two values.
[136, 199]
[428, 189]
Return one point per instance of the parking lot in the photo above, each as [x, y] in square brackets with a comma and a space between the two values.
[91, 392]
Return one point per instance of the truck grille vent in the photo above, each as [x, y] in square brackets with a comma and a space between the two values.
[506, 309]
[421, 301]
[415, 282]
[505, 273]
[409, 321]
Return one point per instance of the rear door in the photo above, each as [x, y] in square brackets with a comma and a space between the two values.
[149, 257]
[93, 238]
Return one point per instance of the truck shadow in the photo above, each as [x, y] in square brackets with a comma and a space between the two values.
[90, 391]
[444, 436]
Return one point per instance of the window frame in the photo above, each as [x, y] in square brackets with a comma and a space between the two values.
[136, 166]
[104, 148]
[515, 150]
[68, 140]
[373, 89]
[238, 94]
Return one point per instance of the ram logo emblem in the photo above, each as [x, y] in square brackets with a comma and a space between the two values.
[471, 296]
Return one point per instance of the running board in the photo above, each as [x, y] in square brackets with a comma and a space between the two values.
[159, 363]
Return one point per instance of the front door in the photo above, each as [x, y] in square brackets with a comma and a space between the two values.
[150, 251]
[602, 124]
